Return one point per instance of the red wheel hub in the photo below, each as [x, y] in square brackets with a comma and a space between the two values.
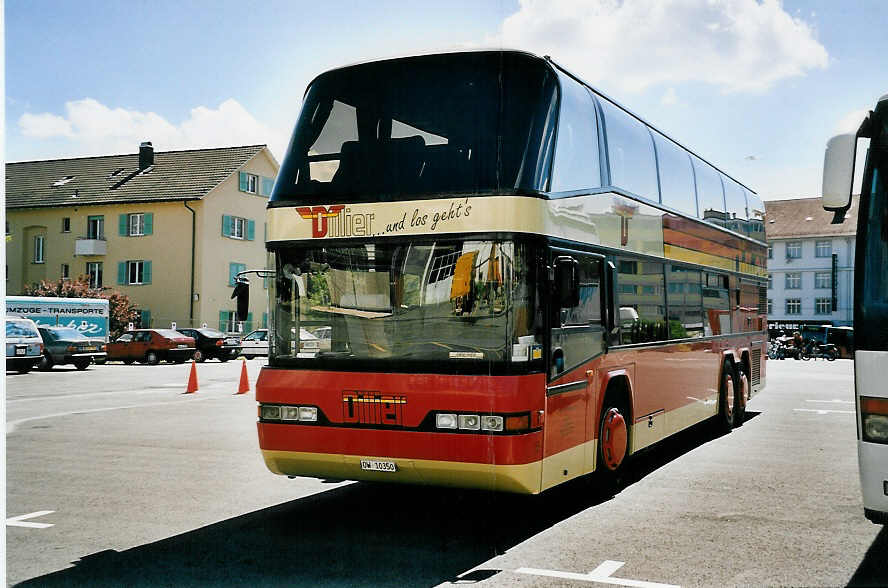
[613, 438]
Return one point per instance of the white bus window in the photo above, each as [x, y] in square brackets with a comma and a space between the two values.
[630, 152]
[676, 176]
[576, 151]
[710, 196]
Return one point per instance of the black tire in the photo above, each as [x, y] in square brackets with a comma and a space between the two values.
[45, 363]
[739, 397]
[24, 368]
[81, 364]
[128, 361]
[223, 359]
[151, 358]
[727, 392]
[610, 465]
[831, 355]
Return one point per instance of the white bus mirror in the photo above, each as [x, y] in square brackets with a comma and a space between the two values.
[838, 171]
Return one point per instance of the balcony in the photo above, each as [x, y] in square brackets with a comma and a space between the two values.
[86, 246]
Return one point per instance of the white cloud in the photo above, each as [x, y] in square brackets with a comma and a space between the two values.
[736, 45]
[669, 97]
[91, 128]
[44, 125]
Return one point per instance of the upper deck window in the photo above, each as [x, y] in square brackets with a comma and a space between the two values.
[442, 124]
[710, 195]
[630, 152]
[676, 176]
[576, 152]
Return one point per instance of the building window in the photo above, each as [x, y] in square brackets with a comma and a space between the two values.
[249, 183]
[8, 229]
[38, 248]
[794, 250]
[238, 228]
[823, 306]
[770, 252]
[95, 227]
[823, 280]
[770, 281]
[94, 271]
[134, 273]
[770, 306]
[822, 248]
[233, 269]
[793, 281]
[793, 306]
[136, 225]
[227, 321]
[66, 224]
[66, 271]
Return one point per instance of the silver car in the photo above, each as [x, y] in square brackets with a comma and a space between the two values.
[24, 347]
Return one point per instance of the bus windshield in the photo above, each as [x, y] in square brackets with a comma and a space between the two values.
[383, 304]
[872, 305]
[453, 123]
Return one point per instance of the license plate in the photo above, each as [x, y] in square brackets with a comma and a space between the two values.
[375, 465]
[21, 351]
[231, 341]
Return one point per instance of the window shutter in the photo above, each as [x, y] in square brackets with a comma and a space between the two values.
[233, 268]
[264, 320]
[251, 230]
[146, 272]
[121, 272]
[223, 320]
[242, 183]
[248, 324]
[146, 319]
[149, 223]
[226, 225]
[267, 186]
[124, 228]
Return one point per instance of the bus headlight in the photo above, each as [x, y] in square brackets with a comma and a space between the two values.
[874, 417]
[269, 412]
[491, 423]
[445, 421]
[470, 422]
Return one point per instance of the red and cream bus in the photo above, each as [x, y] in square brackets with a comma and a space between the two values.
[516, 281]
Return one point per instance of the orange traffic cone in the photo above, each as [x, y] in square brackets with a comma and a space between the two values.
[192, 380]
[244, 386]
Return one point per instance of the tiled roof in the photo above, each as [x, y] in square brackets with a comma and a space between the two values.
[175, 175]
[805, 217]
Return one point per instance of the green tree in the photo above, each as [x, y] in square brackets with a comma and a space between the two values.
[120, 307]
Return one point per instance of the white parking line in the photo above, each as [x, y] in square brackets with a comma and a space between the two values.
[823, 411]
[19, 521]
[833, 401]
[601, 574]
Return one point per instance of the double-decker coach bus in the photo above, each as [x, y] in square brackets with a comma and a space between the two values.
[514, 280]
[870, 295]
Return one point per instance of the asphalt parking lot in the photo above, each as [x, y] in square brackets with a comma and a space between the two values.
[125, 480]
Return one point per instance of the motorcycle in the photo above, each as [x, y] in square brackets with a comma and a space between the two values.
[815, 350]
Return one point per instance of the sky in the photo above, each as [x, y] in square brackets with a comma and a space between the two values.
[755, 87]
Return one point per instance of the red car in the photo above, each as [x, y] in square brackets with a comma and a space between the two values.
[151, 346]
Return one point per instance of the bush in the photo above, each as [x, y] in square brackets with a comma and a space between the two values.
[120, 307]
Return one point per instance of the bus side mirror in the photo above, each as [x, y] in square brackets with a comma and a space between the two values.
[838, 172]
[242, 293]
[567, 281]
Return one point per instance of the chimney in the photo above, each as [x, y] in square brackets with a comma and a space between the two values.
[146, 155]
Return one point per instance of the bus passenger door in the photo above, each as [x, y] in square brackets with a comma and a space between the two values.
[576, 340]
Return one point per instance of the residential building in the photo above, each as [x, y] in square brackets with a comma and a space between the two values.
[810, 265]
[168, 229]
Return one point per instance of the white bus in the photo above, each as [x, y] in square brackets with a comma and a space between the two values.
[870, 294]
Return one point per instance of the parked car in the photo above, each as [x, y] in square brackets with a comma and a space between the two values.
[151, 346]
[211, 344]
[255, 344]
[63, 345]
[24, 347]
